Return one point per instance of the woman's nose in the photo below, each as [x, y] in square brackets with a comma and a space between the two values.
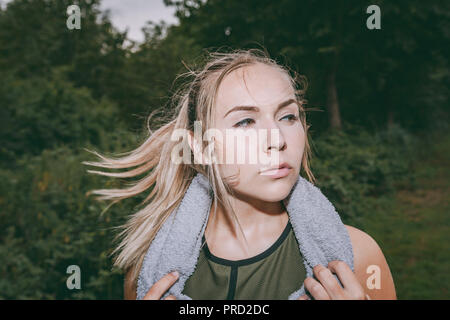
[273, 137]
[276, 141]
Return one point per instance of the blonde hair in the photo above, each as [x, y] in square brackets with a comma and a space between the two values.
[193, 101]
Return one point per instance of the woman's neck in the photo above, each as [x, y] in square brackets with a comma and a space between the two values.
[261, 222]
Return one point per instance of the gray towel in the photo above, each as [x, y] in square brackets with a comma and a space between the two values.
[321, 235]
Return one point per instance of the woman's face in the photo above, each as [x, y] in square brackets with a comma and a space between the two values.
[270, 110]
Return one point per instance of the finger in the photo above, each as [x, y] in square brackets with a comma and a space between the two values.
[316, 289]
[170, 297]
[160, 287]
[347, 278]
[303, 297]
[329, 282]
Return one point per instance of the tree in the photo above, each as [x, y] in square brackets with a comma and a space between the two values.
[365, 76]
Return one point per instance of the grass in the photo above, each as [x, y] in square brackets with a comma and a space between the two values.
[412, 226]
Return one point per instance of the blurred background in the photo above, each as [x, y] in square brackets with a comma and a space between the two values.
[380, 137]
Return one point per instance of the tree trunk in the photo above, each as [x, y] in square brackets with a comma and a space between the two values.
[390, 119]
[334, 115]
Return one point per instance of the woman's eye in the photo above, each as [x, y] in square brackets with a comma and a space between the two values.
[241, 123]
[246, 122]
[293, 117]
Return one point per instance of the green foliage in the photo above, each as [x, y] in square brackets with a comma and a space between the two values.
[354, 164]
[41, 114]
[50, 223]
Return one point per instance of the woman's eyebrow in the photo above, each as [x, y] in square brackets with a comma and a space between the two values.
[256, 109]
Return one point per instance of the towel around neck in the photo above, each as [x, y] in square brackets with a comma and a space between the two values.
[321, 235]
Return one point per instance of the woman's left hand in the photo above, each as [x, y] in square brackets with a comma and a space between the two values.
[328, 288]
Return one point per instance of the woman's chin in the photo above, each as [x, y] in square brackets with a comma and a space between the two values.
[275, 190]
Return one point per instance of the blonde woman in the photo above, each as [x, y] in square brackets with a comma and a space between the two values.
[250, 250]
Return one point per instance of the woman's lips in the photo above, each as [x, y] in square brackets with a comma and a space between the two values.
[277, 173]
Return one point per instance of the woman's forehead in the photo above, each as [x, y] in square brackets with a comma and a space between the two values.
[257, 85]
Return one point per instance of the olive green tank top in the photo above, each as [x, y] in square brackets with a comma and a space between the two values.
[273, 274]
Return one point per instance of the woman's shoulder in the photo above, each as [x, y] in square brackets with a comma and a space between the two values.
[366, 250]
[361, 238]
[371, 267]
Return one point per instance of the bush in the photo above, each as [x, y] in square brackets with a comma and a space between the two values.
[40, 114]
[49, 224]
[353, 164]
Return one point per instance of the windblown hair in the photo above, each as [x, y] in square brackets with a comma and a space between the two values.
[168, 181]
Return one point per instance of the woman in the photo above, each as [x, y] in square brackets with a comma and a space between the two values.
[242, 90]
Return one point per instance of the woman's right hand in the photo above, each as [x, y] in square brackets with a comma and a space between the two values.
[161, 286]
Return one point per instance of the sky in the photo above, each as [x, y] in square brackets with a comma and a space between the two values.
[133, 14]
